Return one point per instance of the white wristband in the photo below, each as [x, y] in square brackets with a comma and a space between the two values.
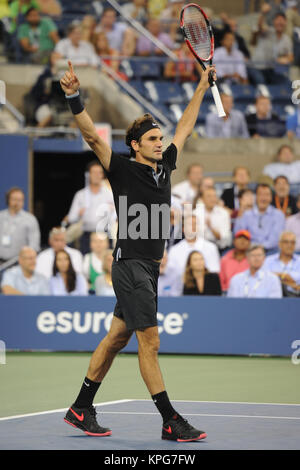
[72, 96]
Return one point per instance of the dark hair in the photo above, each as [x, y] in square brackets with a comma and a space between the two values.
[71, 274]
[235, 170]
[281, 177]
[188, 279]
[283, 147]
[30, 10]
[93, 163]
[279, 14]
[14, 189]
[263, 185]
[244, 191]
[134, 127]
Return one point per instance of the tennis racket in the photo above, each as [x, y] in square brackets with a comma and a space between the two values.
[199, 37]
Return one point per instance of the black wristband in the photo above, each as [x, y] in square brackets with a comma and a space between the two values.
[75, 104]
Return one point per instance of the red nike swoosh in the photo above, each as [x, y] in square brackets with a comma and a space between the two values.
[80, 418]
[169, 430]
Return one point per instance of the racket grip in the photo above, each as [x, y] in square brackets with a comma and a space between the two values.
[218, 102]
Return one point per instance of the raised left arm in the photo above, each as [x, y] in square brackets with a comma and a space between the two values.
[188, 120]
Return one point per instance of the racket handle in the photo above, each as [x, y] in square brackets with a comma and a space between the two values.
[218, 102]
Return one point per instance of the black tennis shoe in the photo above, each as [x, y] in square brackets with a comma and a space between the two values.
[85, 419]
[178, 429]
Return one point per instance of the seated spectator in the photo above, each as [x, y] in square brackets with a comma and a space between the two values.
[57, 242]
[235, 261]
[285, 264]
[256, 282]
[93, 205]
[81, 53]
[137, 9]
[264, 222]
[120, 37]
[18, 10]
[65, 280]
[186, 190]
[231, 126]
[106, 54]
[38, 37]
[229, 24]
[241, 179]
[166, 285]
[264, 122]
[145, 47]
[246, 202]
[18, 227]
[292, 224]
[197, 279]
[92, 262]
[88, 26]
[23, 279]
[214, 219]
[230, 62]
[179, 253]
[285, 164]
[103, 283]
[282, 199]
[185, 69]
[273, 52]
[45, 104]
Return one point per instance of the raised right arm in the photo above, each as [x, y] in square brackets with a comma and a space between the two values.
[70, 85]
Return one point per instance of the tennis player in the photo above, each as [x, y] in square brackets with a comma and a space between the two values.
[143, 181]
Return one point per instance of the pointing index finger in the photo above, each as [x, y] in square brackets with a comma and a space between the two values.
[71, 67]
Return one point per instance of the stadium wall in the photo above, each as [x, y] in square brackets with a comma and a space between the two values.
[186, 325]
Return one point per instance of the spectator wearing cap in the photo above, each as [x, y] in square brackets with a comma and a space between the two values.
[57, 242]
[264, 222]
[285, 264]
[233, 125]
[255, 282]
[23, 279]
[81, 53]
[264, 122]
[285, 164]
[235, 261]
[292, 224]
[282, 199]
[18, 227]
[241, 179]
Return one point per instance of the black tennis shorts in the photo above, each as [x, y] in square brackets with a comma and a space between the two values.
[135, 286]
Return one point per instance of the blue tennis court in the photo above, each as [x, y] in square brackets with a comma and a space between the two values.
[136, 425]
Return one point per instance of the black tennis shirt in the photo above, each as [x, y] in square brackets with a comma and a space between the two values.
[142, 198]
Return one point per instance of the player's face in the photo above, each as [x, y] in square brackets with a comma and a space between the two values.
[150, 145]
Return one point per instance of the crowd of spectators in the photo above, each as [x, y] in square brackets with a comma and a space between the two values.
[221, 242]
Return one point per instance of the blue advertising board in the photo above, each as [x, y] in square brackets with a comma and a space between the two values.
[193, 325]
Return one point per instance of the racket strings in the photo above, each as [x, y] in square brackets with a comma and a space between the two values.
[197, 33]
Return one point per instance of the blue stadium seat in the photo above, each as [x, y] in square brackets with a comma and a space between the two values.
[139, 86]
[295, 189]
[243, 93]
[147, 69]
[280, 94]
[164, 92]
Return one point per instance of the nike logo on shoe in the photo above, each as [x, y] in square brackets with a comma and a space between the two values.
[169, 430]
[79, 417]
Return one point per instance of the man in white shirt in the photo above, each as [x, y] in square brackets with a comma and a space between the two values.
[187, 190]
[229, 61]
[94, 205]
[285, 165]
[74, 49]
[214, 219]
[179, 253]
[22, 279]
[57, 241]
[256, 282]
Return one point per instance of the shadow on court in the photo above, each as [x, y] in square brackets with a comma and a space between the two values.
[136, 425]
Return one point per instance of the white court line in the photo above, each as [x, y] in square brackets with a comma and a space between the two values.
[200, 414]
[229, 402]
[39, 413]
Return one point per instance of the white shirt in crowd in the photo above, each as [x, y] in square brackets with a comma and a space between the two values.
[45, 260]
[220, 221]
[84, 54]
[184, 191]
[290, 170]
[229, 64]
[178, 255]
[99, 209]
